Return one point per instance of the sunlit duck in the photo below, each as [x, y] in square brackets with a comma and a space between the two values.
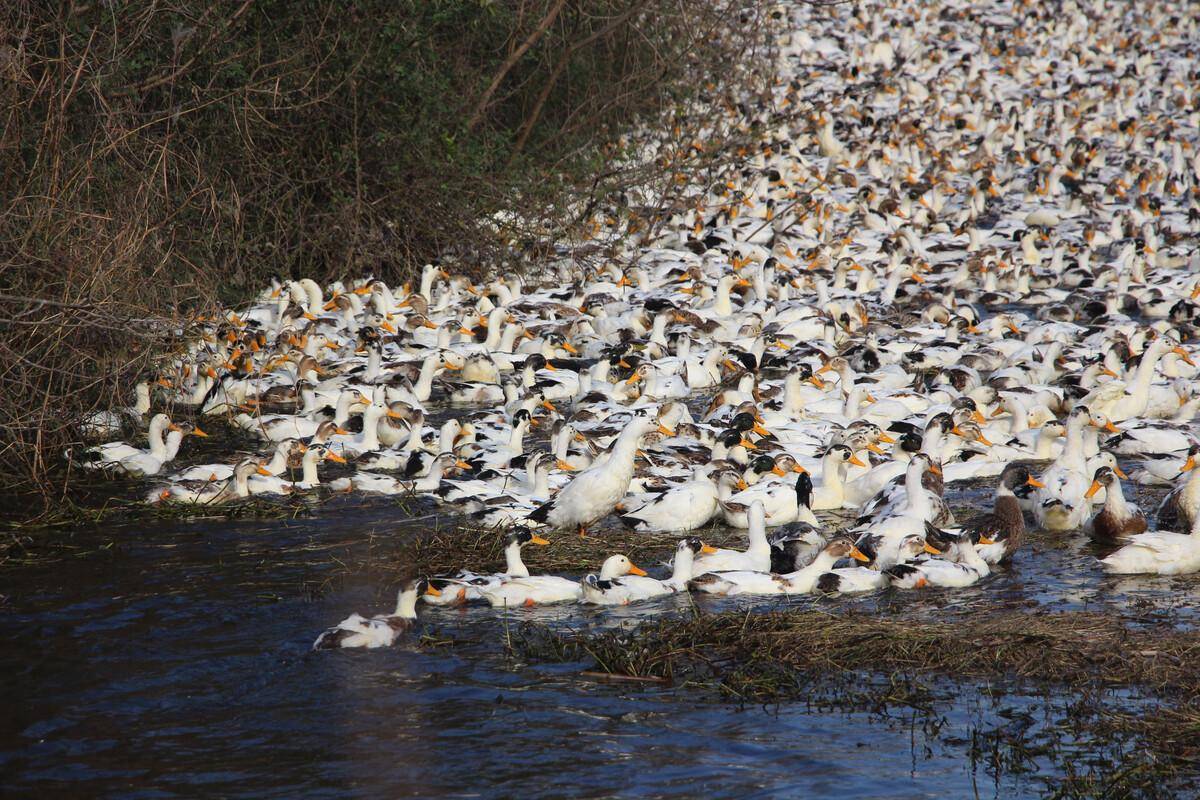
[381, 630]
[1159, 552]
[829, 492]
[465, 586]
[1004, 525]
[802, 581]
[309, 477]
[374, 483]
[636, 588]
[782, 501]
[126, 458]
[757, 556]
[1117, 519]
[962, 565]
[206, 492]
[594, 492]
[275, 465]
[111, 422]
[544, 589]
[858, 579]
[684, 507]
[1181, 507]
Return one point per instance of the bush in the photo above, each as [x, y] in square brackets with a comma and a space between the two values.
[163, 157]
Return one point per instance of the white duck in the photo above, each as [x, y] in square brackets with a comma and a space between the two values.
[634, 588]
[538, 590]
[381, 630]
[1158, 553]
[595, 491]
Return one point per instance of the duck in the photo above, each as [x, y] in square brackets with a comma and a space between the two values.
[110, 422]
[1159, 552]
[830, 493]
[1181, 507]
[381, 630]
[635, 589]
[539, 590]
[208, 493]
[1117, 519]
[784, 503]
[860, 579]
[757, 582]
[164, 438]
[465, 586]
[757, 556]
[962, 565]
[309, 477]
[1060, 504]
[683, 507]
[594, 492]
[1004, 525]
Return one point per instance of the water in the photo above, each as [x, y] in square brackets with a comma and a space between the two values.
[173, 659]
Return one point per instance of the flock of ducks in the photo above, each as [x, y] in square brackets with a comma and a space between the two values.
[965, 248]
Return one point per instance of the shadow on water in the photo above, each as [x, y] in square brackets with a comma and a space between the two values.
[173, 658]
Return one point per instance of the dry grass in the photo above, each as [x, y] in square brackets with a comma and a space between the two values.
[451, 548]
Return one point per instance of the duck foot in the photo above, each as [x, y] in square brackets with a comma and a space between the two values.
[582, 531]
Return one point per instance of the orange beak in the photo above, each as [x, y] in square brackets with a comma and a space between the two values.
[1091, 492]
[1035, 483]
[634, 569]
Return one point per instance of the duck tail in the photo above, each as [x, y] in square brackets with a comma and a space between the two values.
[540, 513]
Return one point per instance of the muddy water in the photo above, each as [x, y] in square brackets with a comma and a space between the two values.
[173, 659]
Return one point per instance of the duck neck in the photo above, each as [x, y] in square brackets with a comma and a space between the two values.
[793, 399]
[681, 572]
[539, 482]
[141, 403]
[424, 387]
[1072, 455]
[341, 412]
[495, 324]
[833, 475]
[722, 304]
[1145, 376]
[918, 499]
[1114, 501]
[446, 436]
[241, 483]
[309, 476]
[278, 461]
[370, 431]
[155, 437]
[406, 605]
[374, 364]
[513, 565]
[1045, 444]
[757, 533]
[516, 437]
[508, 339]
[171, 446]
